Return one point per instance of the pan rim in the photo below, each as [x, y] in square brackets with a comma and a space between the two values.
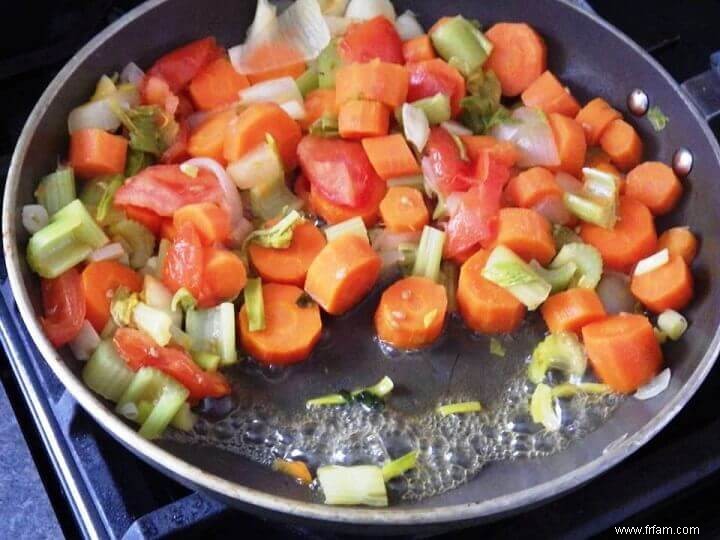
[211, 483]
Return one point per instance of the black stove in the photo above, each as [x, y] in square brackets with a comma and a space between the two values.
[97, 489]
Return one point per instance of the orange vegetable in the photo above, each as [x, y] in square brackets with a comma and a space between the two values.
[94, 152]
[360, 118]
[251, 127]
[274, 53]
[99, 282]
[403, 210]
[667, 287]
[655, 185]
[211, 222]
[532, 186]
[380, 81]
[679, 241]
[224, 273]
[319, 103]
[391, 156]
[632, 239]
[503, 151]
[167, 229]
[337, 213]
[594, 117]
[217, 84]
[549, 95]
[484, 306]
[342, 274]
[519, 56]
[208, 138]
[570, 140]
[527, 233]
[622, 143]
[288, 265]
[418, 49]
[623, 351]
[411, 313]
[291, 330]
[294, 469]
[570, 310]
[144, 216]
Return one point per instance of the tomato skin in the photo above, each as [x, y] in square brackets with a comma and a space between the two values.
[436, 77]
[443, 166]
[178, 67]
[139, 350]
[64, 307]
[183, 262]
[376, 38]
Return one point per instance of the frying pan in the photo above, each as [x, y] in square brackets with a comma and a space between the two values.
[594, 59]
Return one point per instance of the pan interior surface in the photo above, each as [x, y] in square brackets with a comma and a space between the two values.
[269, 419]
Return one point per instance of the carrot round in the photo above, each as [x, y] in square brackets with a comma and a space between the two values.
[632, 239]
[144, 216]
[319, 103]
[208, 138]
[99, 281]
[252, 126]
[380, 81]
[622, 143]
[360, 118]
[667, 287]
[391, 156]
[655, 185]
[211, 222]
[503, 151]
[342, 274]
[411, 313]
[403, 209]
[519, 56]
[549, 95]
[531, 186]
[623, 351]
[418, 49]
[594, 117]
[331, 212]
[224, 273]
[291, 331]
[94, 152]
[679, 241]
[570, 310]
[527, 233]
[570, 140]
[288, 265]
[217, 84]
[484, 306]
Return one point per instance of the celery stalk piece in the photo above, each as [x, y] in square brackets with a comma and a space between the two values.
[672, 323]
[89, 232]
[136, 161]
[260, 166]
[271, 199]
[450, 280]
[277, 236]
[559, 278]
[380, 389]
[415, 181]
[207, 361]
[543, 408]
[600, 213]
[510, 272]
[353, 226]
[54, 248]
[184, 419]
[588, 261]
[213, 331]
[113, 184]
[91, 195]
[139, 239]
[255, 305]
[461, 44]
[459, 408]
[328, 62]
[56, 190]
[308, 81]
[398, 467]
[568, 390]
[436, 108]
[325, 126]
[180, 338]
[154, 322]
[122, 305]
[106, 373]
[358, 485]
[562, 351]
[429, 253]
[600, 184]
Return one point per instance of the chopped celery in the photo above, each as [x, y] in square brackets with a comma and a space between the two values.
[122, 305]
[459, 408]
[657, 118]
[461, 44]
[326, 126]
[106, 373]
[672, 323]
[329, 399]
[543, 409]
[178, 337]
[436, 108]
[510, 272]
[379, 390]
[482, 110]
[415, 181]
[398, 467]
[89, 232]
[588, 261]
[600, 184]
[213, 330]
[449, 272]
[559, 278]
[598, 212]
[146, 133]
[156, 295]
[429, 253]
[279, 235]
[56, 190]
[207, 361]
[353, 226]
[184, 419]
[562, 351]
[260, 166]
[308, 81]
[91, 195]
[136, 161]
[183, 300]
[564, 235]
[361, 484]
[486, 85]
[653, 262]
[154, 322]
[271, 199]
[567, 390]
[254, 305]
[138, 238]
[496, 348]
[113, 184]
[328, 62]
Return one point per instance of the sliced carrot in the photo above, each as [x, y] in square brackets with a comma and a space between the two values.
[294, 469]
[570, 140]
[274, 53]
[167, 229]
[391, 156]
[527, 233]
[342, 274]
[337, 213]
[208, 138]
[380, 81]
[251, 127]
[667, 287]
[530, 187]
[632, 239]
[623, 351]
[503, 151]
[655, 185]
[594, 117]
[211, 222]
[360, 118]
[224, 273]
[403, 210]
[549, 95]
[144, 216]
[99, 281]
[622, 143]
[217, 84]
[570, 310]
[288, 265]
[519, 56]
[679, 241]
[291, 331]
[418, 49]
[484, 306]
[94, 152]
[319, 103]
[411, 313]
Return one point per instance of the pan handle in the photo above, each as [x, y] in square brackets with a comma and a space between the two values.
[704, 89]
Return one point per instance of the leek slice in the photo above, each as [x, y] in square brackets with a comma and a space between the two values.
[461, 44]
[429, 254]
[358, 485]
[588, 261]
[106, 373]
[308, 81]
[590, 210]
[254, 305]
[398, 467]
[510, 272]
[562, 351]
[672, 323]
[459, 408]
[184, 419]
[207, 361]
[213, 330]
[658, 120]
[56, 190]
[436, 108]
[543, 409]
[653, 262]
[353, 226]
[380, 390]
[559, 278]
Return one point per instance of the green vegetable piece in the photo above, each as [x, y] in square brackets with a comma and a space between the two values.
[568, 390]
[184, 419]
[113, 184]
[588, 261]
[379, 390]
[429, 254]
[436, 108]
[459, 408]
[326, 126]
[358, 485]
[564, 235]
[255, 305]
[596, 211]
[146, 134]
[562, 351]
[271, 199]
[56, 190]
[183, 299]
[154, 322]
[279, 235]
[480, 115]
[91, 195]
[462, 44]
[207, 361]
[496, 348]
[672, 323]
[308, 81]
[122, 305]
[213, 330]
[106, 373]
[559, 278]
[398, 467]
[543, 408]
[353, 226]
[328, 63]
[506, 269]
[657, 118]
[136, 161]
[138, 240]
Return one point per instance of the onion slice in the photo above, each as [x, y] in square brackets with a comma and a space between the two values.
[132, 74]
[85, 342]
[408, 27]
[109, 252]
[530, 132]
[455, 128]
[655, 387]
[415, 126]
[369, 9]
[337, 25]
[277, 91]
[295, 109]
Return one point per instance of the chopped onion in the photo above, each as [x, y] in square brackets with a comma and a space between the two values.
[261, 165]
[132, 74]
[408, 27]
[34, 217]
[614, 292]
[569, 183]
[265, 15]
[109, 252]
[554, 210]
[415, 126]
[369, 9]
[530, 132]
[455, 128]
[337, 25]
[277, 91]
[85, 342]
[655, 387]
[99, 114]
[653, 262]
[295, 109]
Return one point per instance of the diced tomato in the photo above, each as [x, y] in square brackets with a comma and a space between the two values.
[183, 262]
[376, 38]
[64, 307]
[179, 67]
[146, 217]
[139, 350]
[165, 188]
[443, 166]
[436, 77]
[490, 168]
[177, 152]
[339, 170]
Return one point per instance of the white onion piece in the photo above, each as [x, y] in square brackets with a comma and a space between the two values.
[277, 91]
[337, 25]
[532, 135]
[455, 128]
[653, 262]
[128, 410]
[369, 9]
[333, 7]
[407, 26]
[109, 252]
[655, 387]
[554, 210]
[132, 74]
[85, 342]
[34, 217]
[614, 293]
[384, 240]
[259, 166]
[415, 126]
[99, 115]
[569, 183]
[295, 109]
[265, 15]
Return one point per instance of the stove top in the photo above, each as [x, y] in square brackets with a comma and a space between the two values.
[99, 490]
